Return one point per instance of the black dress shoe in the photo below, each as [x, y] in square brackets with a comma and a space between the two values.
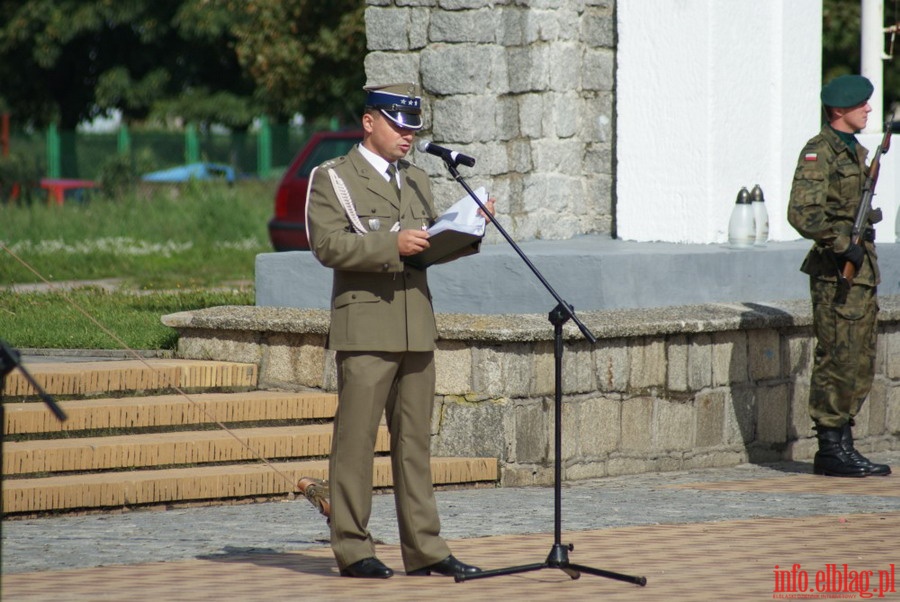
[367, 568]
[448, 566]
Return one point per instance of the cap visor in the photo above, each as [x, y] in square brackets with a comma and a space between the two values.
[408, 121]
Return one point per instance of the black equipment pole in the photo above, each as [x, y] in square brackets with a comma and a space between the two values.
[562, 313]
[9, 361]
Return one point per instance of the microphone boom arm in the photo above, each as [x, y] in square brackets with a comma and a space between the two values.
[565, 308]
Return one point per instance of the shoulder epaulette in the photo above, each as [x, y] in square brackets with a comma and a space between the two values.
[334, 162]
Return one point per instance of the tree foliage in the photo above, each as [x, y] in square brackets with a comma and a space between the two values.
[215, 61]
[226, 61]
[305, 56]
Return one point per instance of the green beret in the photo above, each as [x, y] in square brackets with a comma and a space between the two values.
[846, 91]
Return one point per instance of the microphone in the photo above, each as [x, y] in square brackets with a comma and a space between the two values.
[446, 154]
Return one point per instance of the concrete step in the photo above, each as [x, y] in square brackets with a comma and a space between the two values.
[167, 411]
[171, 449]
[150, 446]
[115, 376]
[210, 483]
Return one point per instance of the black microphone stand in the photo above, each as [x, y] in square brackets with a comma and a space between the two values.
[559, 315]
[9, 361]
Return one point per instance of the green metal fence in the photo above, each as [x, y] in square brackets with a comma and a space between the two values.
[264, 152]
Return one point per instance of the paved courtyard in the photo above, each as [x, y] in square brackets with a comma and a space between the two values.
[743, 533]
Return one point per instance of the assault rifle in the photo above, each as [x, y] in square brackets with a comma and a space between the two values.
[848, 272]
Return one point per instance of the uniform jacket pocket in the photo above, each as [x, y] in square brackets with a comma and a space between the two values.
[350, 297]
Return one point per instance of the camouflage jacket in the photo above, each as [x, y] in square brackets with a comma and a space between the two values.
[827, 187]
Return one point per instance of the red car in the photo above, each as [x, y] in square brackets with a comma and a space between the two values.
[287, 229]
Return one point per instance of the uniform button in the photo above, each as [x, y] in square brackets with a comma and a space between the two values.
[385, 267]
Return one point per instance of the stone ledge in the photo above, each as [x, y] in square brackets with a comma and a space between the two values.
[663, 389]
[591, 273]
[605, 324]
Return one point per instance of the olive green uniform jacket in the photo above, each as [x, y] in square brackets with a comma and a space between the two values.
[378, 303]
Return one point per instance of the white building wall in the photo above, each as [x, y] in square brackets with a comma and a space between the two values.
[712, 95]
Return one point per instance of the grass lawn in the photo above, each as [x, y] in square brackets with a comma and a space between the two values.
[93, 318]
[171, 250]
[201, 234]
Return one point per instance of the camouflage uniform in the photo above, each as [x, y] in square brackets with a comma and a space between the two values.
[826, 191]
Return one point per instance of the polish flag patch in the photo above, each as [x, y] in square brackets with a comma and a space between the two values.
[811, 157]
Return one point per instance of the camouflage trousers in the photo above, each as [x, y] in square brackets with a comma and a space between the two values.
[844, 363]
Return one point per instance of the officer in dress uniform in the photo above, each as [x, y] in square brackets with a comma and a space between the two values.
[367, 211]
[826, 190]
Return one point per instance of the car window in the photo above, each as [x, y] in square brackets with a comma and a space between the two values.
[329, 148]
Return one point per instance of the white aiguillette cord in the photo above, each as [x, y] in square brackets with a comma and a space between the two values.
[141, 359]
[343, 196]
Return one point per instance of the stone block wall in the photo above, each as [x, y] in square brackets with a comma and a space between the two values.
[666, 389]
[524, 87]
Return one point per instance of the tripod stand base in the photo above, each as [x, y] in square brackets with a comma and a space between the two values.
[558, 559]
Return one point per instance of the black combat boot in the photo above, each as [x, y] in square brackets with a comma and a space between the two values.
[878, 470]
[831, 459]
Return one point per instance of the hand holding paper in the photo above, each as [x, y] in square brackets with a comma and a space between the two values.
[456, 233]
[462, 216]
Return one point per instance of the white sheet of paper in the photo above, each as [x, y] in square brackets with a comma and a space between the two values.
[462, 216]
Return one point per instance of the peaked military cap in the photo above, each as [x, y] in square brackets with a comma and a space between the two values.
[401, 103]
[846, 91]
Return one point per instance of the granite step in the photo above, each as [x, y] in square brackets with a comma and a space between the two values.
[117, 490]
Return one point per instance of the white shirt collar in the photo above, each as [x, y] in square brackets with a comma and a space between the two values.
[377, 161]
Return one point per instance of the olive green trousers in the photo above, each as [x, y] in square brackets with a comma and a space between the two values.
[399, 386]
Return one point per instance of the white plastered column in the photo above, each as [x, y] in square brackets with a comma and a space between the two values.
[711, 96]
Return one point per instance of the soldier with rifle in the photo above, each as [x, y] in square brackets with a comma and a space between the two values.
[830, 203]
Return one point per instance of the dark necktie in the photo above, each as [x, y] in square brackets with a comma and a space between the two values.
[392, 179]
